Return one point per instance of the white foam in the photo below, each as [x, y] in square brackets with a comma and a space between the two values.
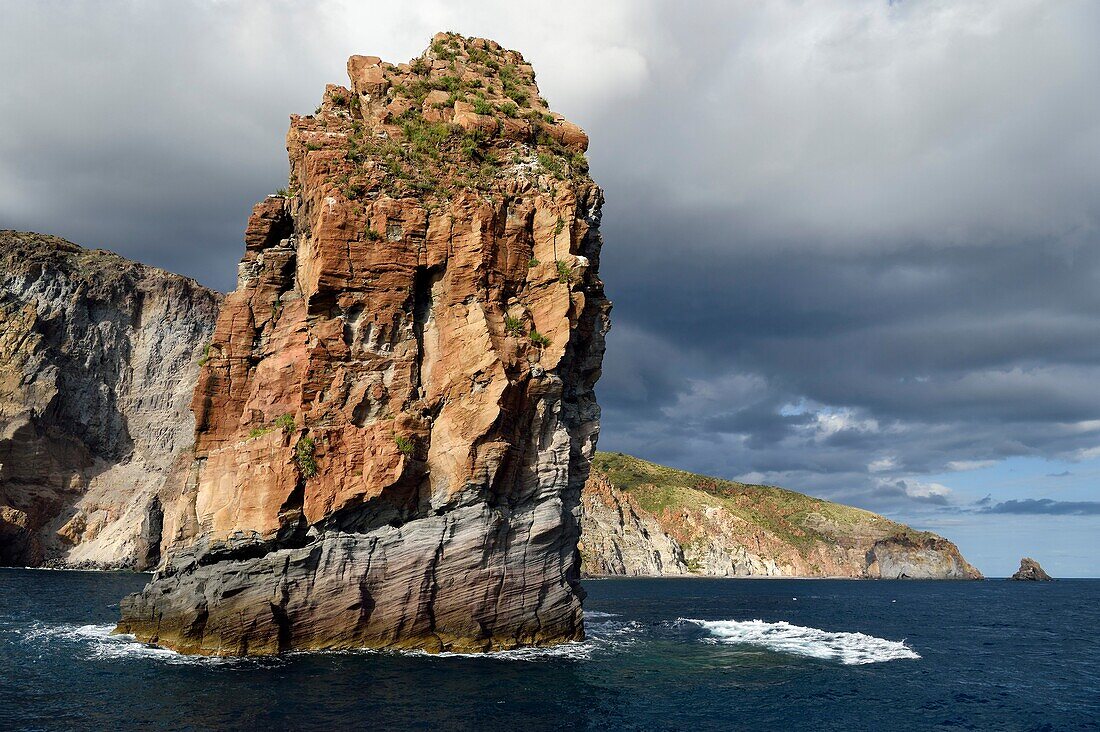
[603, 636]
[597, 615]
[576, 650]
[98, 643]
[848, 648]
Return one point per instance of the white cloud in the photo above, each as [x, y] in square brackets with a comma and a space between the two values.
[829, 422]
[882, 465]
[963, 465]
[919, 489]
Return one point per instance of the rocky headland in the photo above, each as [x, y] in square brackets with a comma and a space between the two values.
[395, 412]
[1030, 571]
[644, 519]
[98, 362]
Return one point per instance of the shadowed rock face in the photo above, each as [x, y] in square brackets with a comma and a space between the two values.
[1030, 571]
[647, 519]
[396, 416]
[97, 368]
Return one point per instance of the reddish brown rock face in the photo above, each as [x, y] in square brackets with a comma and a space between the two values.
[395, 416]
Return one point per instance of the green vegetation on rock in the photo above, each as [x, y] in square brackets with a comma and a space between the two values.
[795, 517]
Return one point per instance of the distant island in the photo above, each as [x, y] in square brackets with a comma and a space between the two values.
[644, 519]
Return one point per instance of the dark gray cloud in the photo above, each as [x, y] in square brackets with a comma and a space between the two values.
[1048, 507]
[851, 243]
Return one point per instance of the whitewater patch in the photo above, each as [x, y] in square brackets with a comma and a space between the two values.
[96, 643]
[606, 636]
[782, 637]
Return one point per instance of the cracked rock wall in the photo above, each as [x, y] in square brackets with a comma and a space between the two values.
[397, 415]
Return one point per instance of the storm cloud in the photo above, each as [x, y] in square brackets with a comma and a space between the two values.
[853, 245]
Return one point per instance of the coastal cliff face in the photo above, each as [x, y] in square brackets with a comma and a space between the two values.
[646, 519]
[97, 369]
[395, 415]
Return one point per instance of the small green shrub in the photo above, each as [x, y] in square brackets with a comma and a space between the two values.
[443, 52]
[206, 354]
[532, 262]
[481, 106]
[513, 325]
[447, 83]
[509, 109]
[303, 455]
[372, 235]
[404, 444]
[565, 272]
[471, 144]
[259, 432]
[550, 163]
[312, 146]
[539, 339]
[339, 99]
[282, 192]
[285, 423]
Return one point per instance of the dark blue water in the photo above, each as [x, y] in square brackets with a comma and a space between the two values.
[991, 655]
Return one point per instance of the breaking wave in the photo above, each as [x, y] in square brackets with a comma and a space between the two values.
[606, 635]
[597, 615]
[96, 643]
[782, 637]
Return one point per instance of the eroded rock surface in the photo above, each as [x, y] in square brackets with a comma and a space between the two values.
[646, 519]
[97, 369]
[619, 537]
[396, 417]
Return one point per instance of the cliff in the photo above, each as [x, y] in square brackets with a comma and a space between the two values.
[97, 367]
[646, 519]
[395, 414]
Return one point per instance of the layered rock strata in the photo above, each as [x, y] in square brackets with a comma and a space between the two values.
[98, 361]
[396, 417]
[646, 519]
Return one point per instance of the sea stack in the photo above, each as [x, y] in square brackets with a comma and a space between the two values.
[1030, 571]
[395, 414]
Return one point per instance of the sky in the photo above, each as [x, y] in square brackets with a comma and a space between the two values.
[853, 245]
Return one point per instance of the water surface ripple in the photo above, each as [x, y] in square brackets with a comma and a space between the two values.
[660, 655]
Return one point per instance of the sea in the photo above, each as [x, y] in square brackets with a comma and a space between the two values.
[661, 654]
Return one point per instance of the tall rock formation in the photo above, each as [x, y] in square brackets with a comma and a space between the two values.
[396, 416]
[646, 519]
[97, 368]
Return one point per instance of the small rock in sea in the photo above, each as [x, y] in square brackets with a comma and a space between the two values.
[1030, 571]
